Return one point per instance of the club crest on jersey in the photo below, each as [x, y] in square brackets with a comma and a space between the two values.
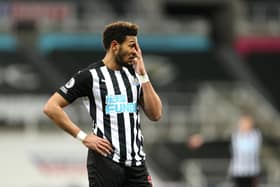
[70, 83]
[135, 82]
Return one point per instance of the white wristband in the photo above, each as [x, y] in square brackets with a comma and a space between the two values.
[81, 136]
[144, 78]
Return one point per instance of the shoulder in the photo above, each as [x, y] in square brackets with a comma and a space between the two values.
[95, 65]
[85, 73]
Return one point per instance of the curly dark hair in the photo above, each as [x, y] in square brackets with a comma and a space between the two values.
[118, 31]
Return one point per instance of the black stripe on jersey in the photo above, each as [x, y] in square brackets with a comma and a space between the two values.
[91, 96]
[92, 108]
[131, 115]
[106, 117]
[139, 142]
[137, 135]
[99, 133]
[120, 117]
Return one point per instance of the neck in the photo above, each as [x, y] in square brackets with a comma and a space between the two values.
[110, 62]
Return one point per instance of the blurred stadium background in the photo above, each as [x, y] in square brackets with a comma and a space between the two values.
[208, 59]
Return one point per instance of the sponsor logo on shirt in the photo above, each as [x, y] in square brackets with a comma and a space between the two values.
[118, 104]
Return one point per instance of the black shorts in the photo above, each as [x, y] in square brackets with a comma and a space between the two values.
[245, 181]
[103, 172]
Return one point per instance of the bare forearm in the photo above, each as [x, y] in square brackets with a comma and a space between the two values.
[54, 110]
[61, 119]
[151, 102]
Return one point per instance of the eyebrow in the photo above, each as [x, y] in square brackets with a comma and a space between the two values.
[132, 41]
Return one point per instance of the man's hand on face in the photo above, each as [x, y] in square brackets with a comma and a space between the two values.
[139, 65]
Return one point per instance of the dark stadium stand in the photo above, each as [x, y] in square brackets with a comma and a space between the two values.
[169, 157]
[19, 76]
[266, 67]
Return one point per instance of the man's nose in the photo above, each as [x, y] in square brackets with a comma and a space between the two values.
[134, 51]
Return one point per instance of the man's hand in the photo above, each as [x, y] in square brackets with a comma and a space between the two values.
[195, 141]
[139, 65]
[100, 145]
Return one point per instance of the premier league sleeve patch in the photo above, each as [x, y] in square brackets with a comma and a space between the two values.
[70, 83]
[77, 86]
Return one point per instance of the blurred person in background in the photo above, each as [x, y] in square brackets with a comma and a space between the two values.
[114, 89]
[245, 149]
[245, 146]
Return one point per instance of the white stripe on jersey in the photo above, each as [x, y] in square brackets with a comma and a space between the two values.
[113, 116]
[126, 117]
[98, 101]
[136, 117]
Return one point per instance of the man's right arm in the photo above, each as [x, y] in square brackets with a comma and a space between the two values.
[54, 110]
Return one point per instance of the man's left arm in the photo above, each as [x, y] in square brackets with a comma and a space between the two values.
[150, 101]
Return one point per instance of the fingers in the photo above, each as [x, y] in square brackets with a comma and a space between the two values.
[106, 146]
[135, 59]
[138, 49]
[100, 145]
[103, 151]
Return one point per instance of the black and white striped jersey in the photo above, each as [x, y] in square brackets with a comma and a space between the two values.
[245, 153]
[112, 99]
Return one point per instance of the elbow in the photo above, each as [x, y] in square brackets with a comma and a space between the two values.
[156, 117]
[47, 110]
[156, 114]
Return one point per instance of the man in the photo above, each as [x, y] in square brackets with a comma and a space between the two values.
[246, 147]
[115, 89]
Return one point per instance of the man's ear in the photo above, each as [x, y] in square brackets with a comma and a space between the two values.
[114, 45]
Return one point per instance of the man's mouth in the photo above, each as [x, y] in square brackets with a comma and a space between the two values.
[132, 58]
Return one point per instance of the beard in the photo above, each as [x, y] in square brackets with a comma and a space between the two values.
[120, 59]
